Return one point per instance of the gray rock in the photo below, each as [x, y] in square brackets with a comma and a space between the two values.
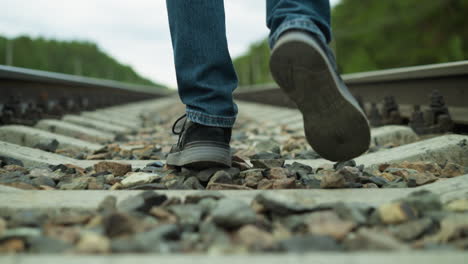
[303, 244]
[423, 201]
[108, 205]
[205, 175]
[300, 169]
[188, 215]
[49, 145]
[339, 165]
[265, 156]
[310, 181]
[136, 178]
[128, 245]
[232, 213]
[351, 174]
[44, 181]
[284, 204]
[395, 184]
[28, 217]
[221, 177]
[368, 239]
[267, 163]
[10, 161]
[197, 197]
[47, 245]
[356, 213]
[142, 202]
[268, 146]
[193, 183]
[413, 229]
[308, 154]
[176, 184]
[21, 232]
[80, 183]
[207, 205]
[46, 172]
[379, 181]
[149, 186]
[118, 224]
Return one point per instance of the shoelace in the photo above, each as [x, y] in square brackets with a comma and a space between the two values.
[182, 129]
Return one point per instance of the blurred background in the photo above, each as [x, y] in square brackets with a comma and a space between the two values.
[129, 41]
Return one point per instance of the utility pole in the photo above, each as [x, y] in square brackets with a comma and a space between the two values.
[9, 52]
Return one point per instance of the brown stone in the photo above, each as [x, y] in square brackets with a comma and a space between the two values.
[252, 177]
[328, 223]
[395, 213]
[265, 184]
[276, 173]
[144, 153]
[100, 156]
[452, 170]
[254, 238]
[388, 176]
[452, 227]
[420, 166]
[224, 186]
[12, 246]
[288, 183]
[370, 185]
[70, 234]
[92, 243]
[14, 167]
[118, 224]
[93, 184]
[118, 169]
[163, 215]
[46, 188]
[20, 185]
[383, 167]
[421, 179]
[78, 169]
[116, 186]
[460, 205]
[333, 180]
[369, 239]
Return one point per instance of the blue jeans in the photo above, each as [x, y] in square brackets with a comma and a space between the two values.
[205, 74]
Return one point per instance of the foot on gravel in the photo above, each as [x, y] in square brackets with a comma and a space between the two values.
[200, 146]
[335, 126]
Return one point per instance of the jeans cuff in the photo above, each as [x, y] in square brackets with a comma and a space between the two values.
[298, 23]
[210, 120]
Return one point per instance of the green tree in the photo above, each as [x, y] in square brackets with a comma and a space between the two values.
[70, 57]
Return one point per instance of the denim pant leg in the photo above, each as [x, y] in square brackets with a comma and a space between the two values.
[308, 15]
[205, 73]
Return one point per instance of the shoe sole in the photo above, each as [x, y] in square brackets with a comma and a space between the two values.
[334, 124]
[201, 155]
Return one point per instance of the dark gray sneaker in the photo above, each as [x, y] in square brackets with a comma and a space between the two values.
[335, 126]
[200, 146]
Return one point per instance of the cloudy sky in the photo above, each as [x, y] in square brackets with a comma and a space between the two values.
[135, 32]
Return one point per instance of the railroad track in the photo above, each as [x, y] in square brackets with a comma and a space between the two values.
[95, 182]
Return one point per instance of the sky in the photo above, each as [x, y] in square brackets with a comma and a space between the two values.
[134, 32]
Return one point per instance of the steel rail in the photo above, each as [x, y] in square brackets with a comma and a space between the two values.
[27, 94]
[409, 86]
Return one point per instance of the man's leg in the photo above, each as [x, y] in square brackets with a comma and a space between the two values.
[206, 80]
[304, 67]
[205, 74]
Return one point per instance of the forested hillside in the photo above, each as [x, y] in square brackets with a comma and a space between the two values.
[71, 57]
[373, 35]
